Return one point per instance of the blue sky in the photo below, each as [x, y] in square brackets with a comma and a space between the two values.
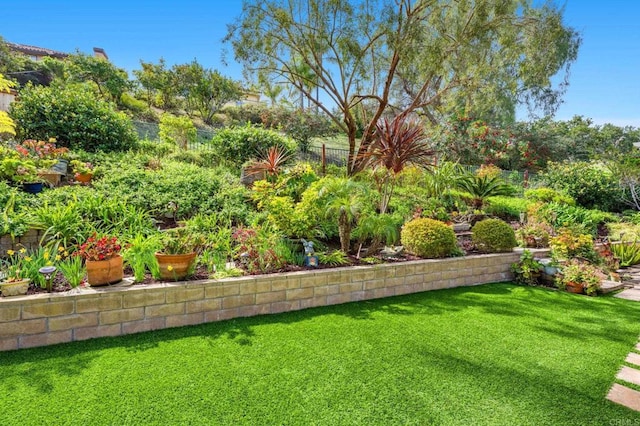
[604, 82]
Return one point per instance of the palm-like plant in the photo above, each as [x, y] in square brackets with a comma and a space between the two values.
[398, 143]
[345, 201]
[482, 187]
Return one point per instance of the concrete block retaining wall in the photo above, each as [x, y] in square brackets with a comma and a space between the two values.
[46, 319]
[30, 240]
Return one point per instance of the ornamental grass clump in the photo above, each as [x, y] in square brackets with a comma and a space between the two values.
[429, 238]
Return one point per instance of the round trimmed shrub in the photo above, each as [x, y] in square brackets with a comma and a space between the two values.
[74, 116]
[493, 236]
[428, 238]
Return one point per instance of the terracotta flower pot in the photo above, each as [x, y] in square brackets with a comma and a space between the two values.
[573, 287]
[103, 272]
[83, 177]
[14, 288]
[174, 267]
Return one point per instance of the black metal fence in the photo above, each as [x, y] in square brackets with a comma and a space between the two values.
[151, 131]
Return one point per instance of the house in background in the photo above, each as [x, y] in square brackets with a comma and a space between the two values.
[36, 54]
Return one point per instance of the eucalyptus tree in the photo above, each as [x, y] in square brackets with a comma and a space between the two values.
[373, 57]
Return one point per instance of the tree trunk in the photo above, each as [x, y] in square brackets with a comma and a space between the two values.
[344, 230]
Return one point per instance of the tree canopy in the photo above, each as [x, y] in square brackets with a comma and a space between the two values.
[370, 58]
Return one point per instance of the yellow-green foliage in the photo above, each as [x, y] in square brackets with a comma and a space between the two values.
[178, 130]
[428, 238]
[493, 236]
[7, 126]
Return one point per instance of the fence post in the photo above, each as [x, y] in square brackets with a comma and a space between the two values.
[324, 160]
[525, 178]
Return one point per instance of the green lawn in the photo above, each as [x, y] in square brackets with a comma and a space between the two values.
[490, 355]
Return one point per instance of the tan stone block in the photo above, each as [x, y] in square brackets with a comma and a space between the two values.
[274, 296]
[434, 276]
[73, 321]
[369, 294]
[404, 289]
[238, 301]
[134, 299]
[449, 275]
[221, 315]
[121, 315]
[293, 282]
[164, 310]
[253, 310]
[630, 375]
[97, 303]
[362, 275]
[16, 328]
[213, 291]
[351, 287]
[393, 282]
[326, 290]
[178, 294]
[182, 320]
[313, 302]
[203, 305]
[248, 287]
[99, 331]
[230, 289]
[8, 344]
[9, 313]
[373, 284]
[300, 293]
[380, 293]
[336, 299]
[263, 286]
[332, 277]
[384, 271]
[404, 270]
[45, 339]
[316, 280]
[357, 296]
[291, 305]
[279, 284]
[47, 309]
[143, 325]
[415, 279]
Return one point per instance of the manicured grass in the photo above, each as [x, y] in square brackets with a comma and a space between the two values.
[497, 354]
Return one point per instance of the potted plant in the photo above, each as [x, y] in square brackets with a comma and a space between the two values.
[15, 281]
[528, 269]
[45, 156]
[580, 277]
[180, 248]
[82, 171]
[102, 259]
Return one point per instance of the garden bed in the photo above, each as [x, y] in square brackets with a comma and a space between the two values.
[45, 319]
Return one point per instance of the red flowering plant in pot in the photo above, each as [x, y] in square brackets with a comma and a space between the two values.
[103, 260]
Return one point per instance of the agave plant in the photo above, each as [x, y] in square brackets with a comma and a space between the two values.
[398, 143]
[482, 187]
[627, 253]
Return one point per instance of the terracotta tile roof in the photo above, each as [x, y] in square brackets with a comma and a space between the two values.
[36, 51]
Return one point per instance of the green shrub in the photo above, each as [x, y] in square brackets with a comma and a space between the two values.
[187, 188]
[74, 116]
[564, 215]
[590, 185]
[506, 208]
[239, 144]
[177, 130]
[548, 195]
[428, 238]
[493, 236]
